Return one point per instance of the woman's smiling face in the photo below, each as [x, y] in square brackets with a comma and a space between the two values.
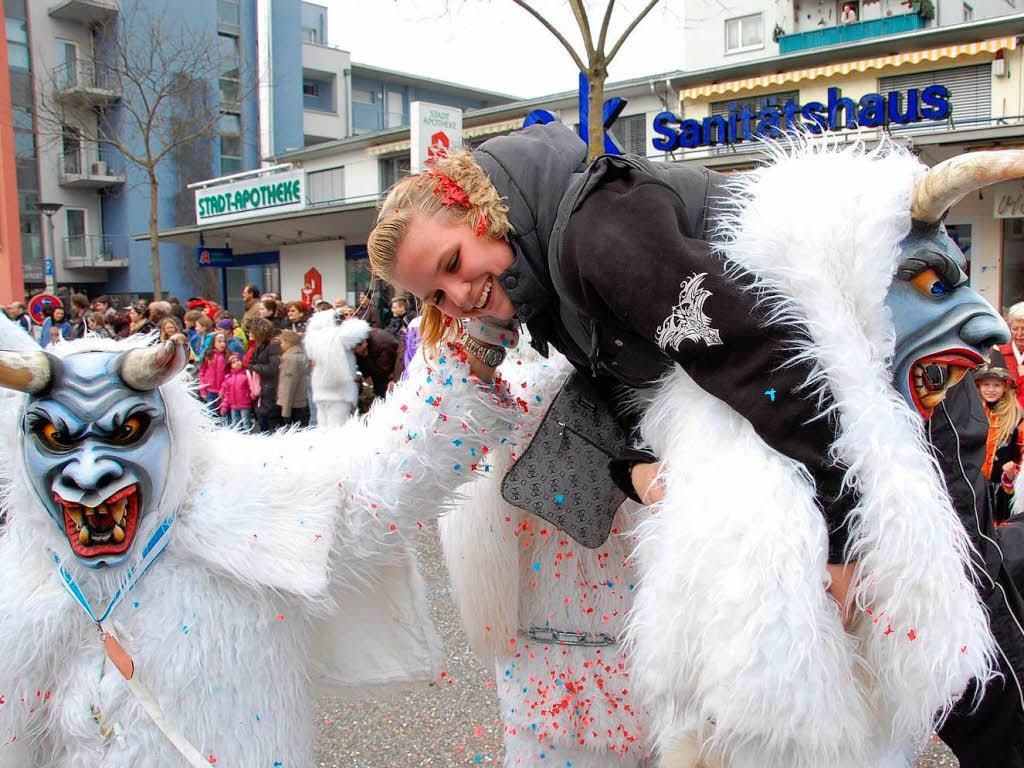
[449, 266]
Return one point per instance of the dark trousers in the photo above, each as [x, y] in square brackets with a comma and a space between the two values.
[269, 418]
[299, 416]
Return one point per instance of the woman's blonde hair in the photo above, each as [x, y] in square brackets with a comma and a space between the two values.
[1005, 414]
[427, 194]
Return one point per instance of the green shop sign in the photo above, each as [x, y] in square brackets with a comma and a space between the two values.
[277, 193]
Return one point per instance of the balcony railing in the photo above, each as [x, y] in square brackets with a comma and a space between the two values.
[105, 251]
[88, 12]
[86, 82]
[849, 33]
[88, 168]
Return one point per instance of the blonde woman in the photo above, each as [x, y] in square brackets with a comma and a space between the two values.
[1005, 438]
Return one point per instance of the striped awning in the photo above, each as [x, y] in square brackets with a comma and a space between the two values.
[472, 132]
[846, 67]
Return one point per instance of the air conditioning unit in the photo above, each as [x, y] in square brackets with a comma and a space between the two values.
[99, 168]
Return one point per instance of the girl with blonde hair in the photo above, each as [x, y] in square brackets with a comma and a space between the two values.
[1003, 447]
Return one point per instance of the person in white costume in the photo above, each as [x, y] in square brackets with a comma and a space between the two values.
[219, 562]
[329, 341]
[548, 613]
[787, 332]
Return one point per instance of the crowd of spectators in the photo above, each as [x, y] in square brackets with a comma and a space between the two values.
[251, 371]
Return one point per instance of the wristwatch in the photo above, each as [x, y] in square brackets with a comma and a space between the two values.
[492, 357]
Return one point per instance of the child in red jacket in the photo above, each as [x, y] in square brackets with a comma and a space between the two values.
[236, 396]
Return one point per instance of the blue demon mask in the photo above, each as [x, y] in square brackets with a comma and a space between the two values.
[97, 446]
[943, 328]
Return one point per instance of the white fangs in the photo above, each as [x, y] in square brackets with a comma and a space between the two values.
[485, 295]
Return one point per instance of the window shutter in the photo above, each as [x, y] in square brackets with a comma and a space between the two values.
[970, 89]
[325, 186]
[631, 134]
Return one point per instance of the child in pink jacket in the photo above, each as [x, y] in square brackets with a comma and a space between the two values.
[236, 396]
[213, 368]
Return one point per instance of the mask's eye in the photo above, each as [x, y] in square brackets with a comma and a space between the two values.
[55, 439]
[131, 431]
[928, 282]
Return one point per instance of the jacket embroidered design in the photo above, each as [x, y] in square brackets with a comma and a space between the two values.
[688, 320]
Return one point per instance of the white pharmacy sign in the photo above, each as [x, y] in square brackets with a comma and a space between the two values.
[433, 128]
[277, 193]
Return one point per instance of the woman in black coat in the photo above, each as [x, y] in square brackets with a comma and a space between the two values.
[265, 361]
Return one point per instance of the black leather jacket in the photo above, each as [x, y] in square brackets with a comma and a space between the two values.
[602, 253]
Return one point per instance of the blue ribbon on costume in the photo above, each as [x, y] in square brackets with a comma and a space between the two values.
[153, 548]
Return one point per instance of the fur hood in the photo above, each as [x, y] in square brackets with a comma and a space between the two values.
[761, 667]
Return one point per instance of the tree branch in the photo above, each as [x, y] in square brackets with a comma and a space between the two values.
[558, 35]
[629, 29]
[604, 27]
[584, 24]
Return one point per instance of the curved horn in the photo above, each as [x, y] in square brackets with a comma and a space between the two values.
[949, 181]
[148, 367]
[29, 372]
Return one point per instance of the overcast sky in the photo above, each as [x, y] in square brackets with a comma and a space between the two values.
[495, 44]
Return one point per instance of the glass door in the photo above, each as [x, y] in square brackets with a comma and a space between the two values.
[76, 249]
[67, 58]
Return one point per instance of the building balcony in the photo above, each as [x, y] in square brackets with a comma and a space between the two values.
[91, 251]
[850, 33]
[85, 170]
[87, 83]
[88, 12]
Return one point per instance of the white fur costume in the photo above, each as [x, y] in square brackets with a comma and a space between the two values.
[735, 643]
[512, 571]
[221, 628]
[333, 380]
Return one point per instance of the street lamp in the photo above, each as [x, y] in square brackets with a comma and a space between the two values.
[48, 209]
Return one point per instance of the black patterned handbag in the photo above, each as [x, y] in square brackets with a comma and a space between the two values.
[563, 474]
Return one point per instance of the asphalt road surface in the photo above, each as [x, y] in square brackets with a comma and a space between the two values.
[452, 721]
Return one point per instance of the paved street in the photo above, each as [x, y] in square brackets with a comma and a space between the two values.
[450, 722]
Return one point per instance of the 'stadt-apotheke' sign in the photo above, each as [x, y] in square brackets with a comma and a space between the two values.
[872, 110]
[433, 128]
[277, 193]
[1010, 202]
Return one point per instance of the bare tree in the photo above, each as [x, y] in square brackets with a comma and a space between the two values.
[164, 74]
[596, 60]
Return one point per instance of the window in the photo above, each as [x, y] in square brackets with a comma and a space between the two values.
[970, 92]
[631, 134]
[314, 23]
[229, 127]
[745, 33]
[393, 100]
[318, 94]
[76, 249]
[325, 186]
[227, 49]
[362, 96]
[227, 13]
[393, 169]
[71, 149]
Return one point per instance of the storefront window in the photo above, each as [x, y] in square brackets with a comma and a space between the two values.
[1013, 262]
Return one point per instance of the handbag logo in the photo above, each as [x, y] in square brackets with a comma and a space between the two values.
[688, 320]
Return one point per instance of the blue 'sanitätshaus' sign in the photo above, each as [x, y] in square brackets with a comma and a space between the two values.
[871, 111]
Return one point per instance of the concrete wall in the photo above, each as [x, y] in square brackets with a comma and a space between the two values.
[328, 258]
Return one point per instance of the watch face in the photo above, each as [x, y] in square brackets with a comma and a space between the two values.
[494, 357]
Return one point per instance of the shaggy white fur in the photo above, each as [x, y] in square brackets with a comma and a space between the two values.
[512, 571]
[220, 626]
[333, 380]
[752, 659]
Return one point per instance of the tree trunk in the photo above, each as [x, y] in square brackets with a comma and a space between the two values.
[154, 241]
[596, 76]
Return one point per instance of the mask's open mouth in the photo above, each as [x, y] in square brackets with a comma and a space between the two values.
[932, 376]
[106, 529]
